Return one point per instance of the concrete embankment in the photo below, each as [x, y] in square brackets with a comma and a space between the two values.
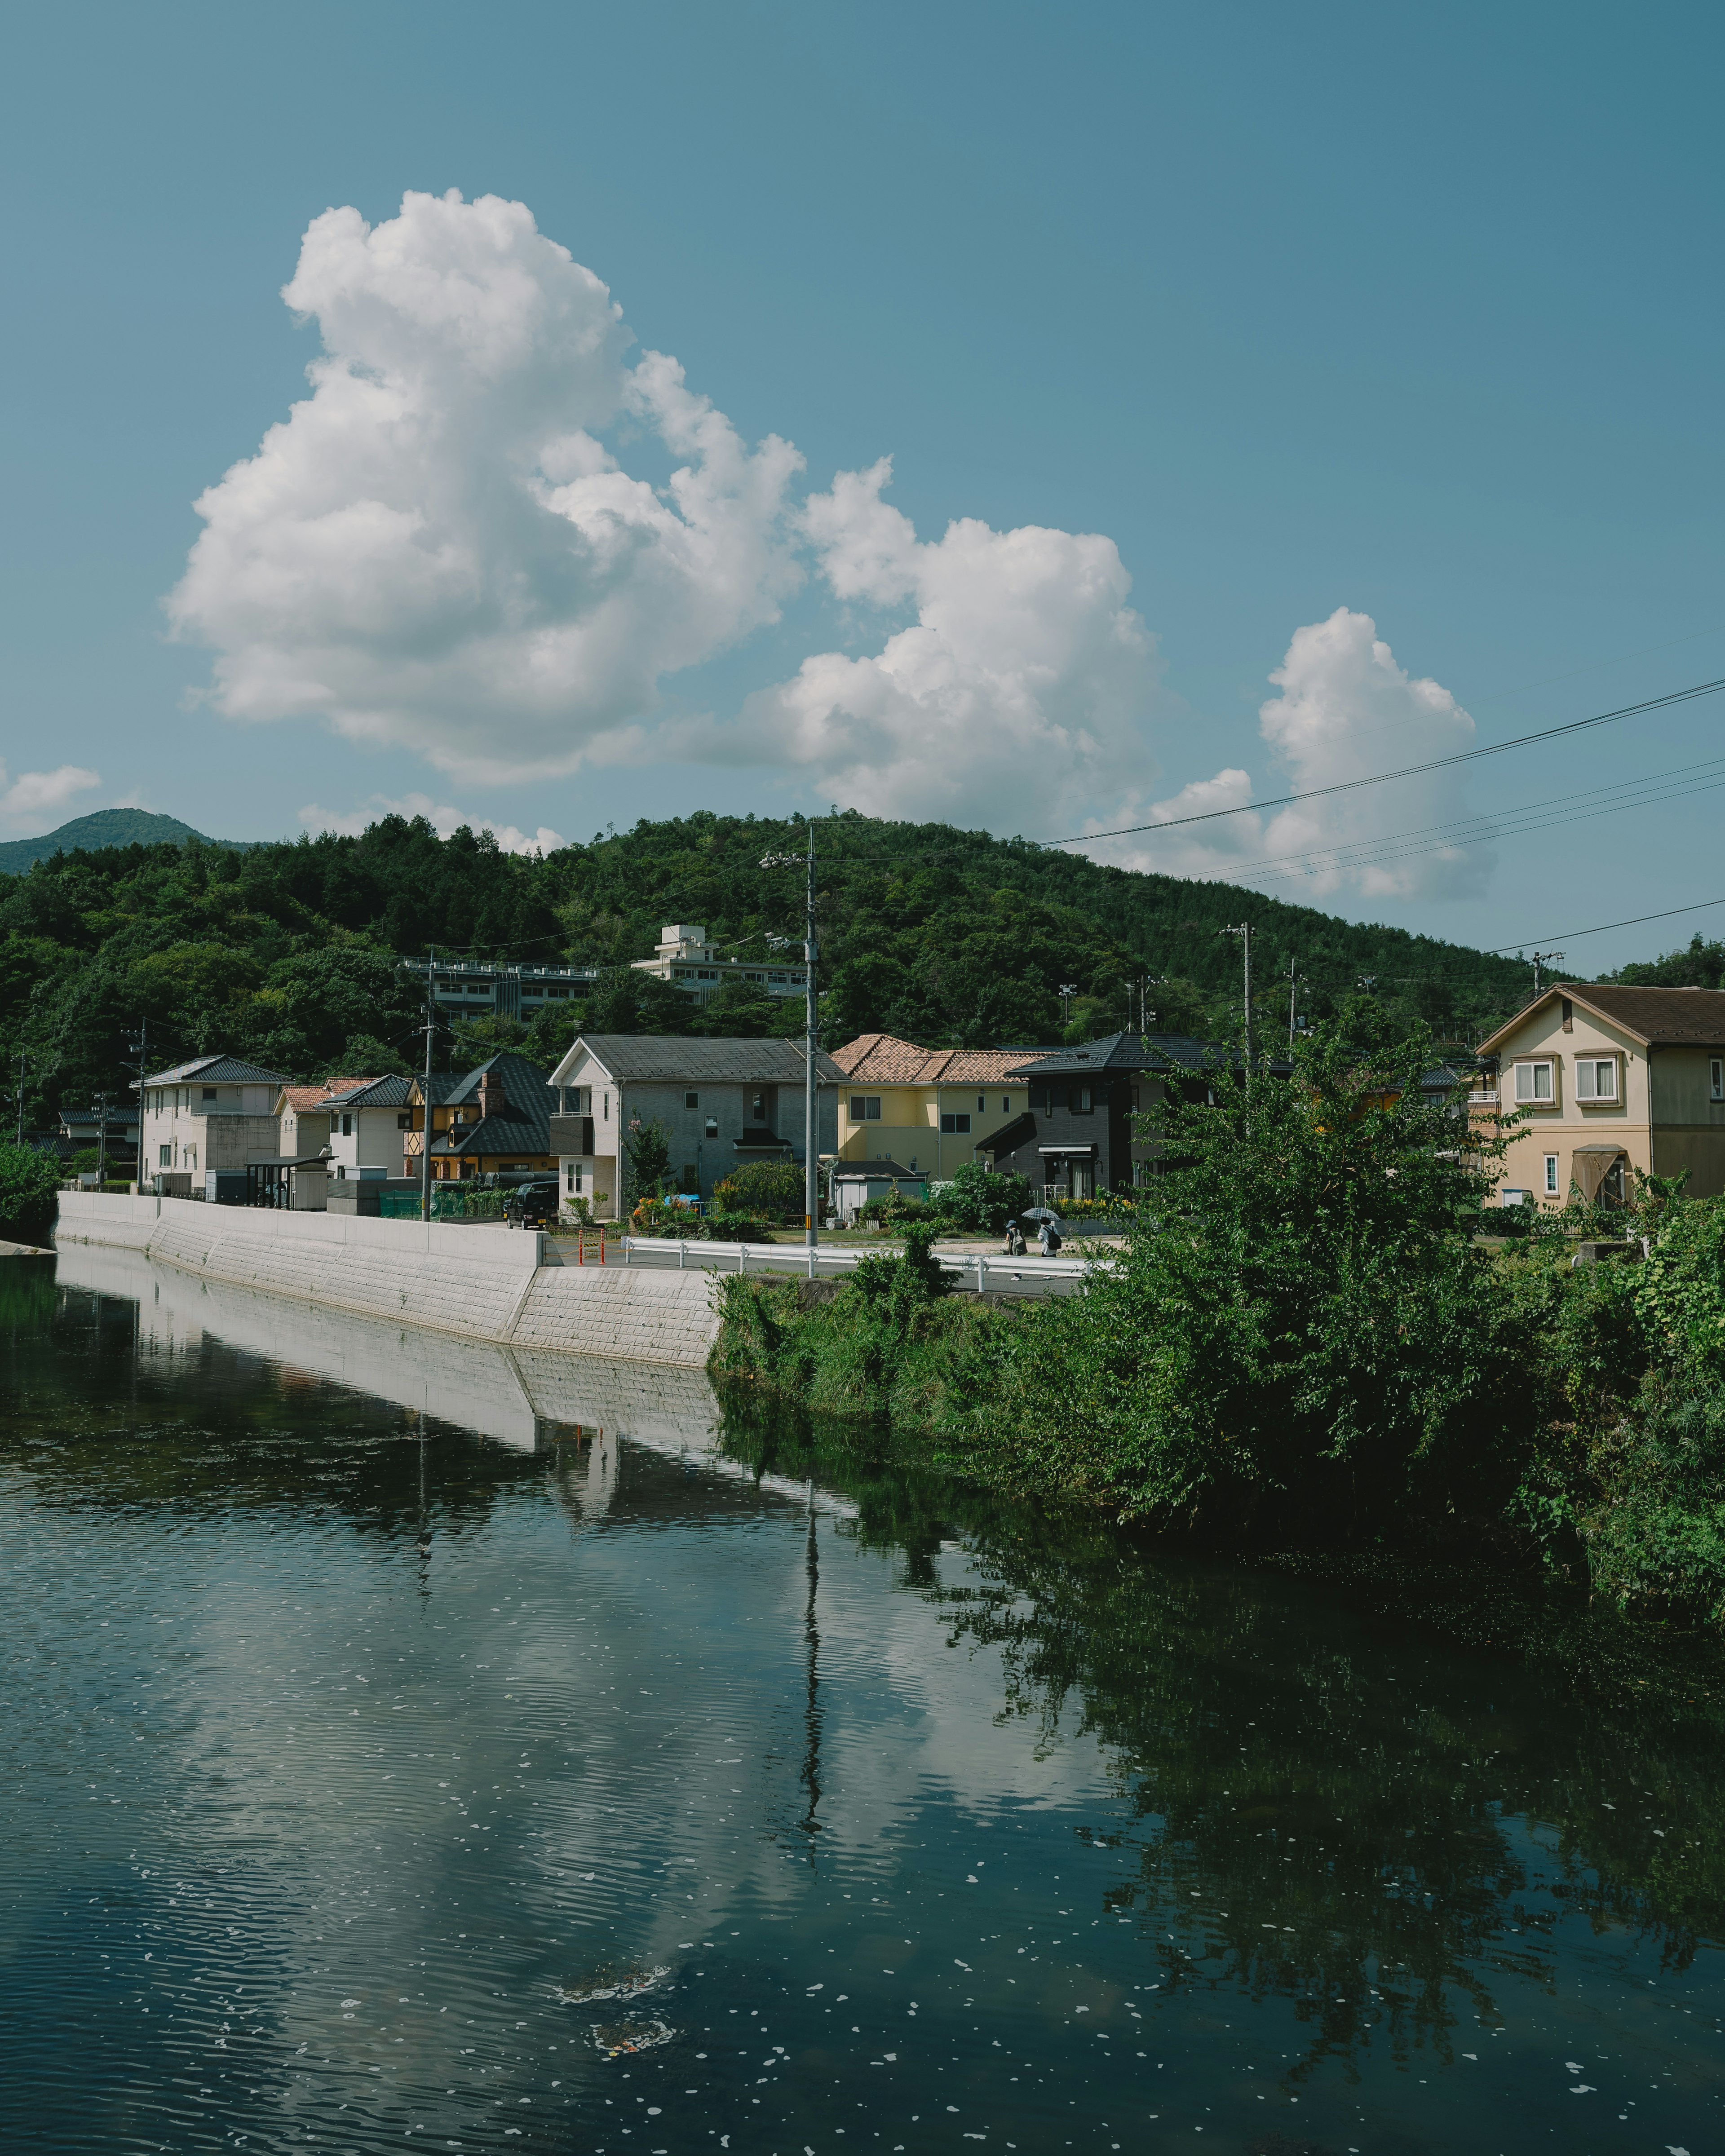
[474, 1283]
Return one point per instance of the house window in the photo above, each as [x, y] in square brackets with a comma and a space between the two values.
[348, 1126]
[712, 1127]
[605, 1114]
[691, 1100]
[210, 1092]
[955, 1125]
[758, 1107]
[1551, 1175]
[403, 1122]
[980, 1104]
[1081, 1101]
[1596, 1078]
[164, 1155]
[865, 1108]
[1533, 1082]
[1006, 1104]
[1715, 1075]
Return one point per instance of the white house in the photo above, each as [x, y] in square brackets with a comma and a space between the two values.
[721, 1103]
[685, 957]
[368, 1130]
[216, 1112]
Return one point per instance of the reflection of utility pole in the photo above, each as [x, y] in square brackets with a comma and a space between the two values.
[811, 1633]
[425, 1134]
[1543, 958]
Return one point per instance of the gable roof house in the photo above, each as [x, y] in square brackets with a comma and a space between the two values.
[1076, 1137]
[723, 1103]
[924, 1108]
[302, 1116]
[370, 1121]
[1605, 1079]
[494, 1119]
[215, 1112]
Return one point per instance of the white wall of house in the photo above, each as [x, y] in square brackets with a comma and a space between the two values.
[368, 1141]
[192, 1128]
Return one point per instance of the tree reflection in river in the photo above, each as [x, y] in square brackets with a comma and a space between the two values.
[1373, 1794]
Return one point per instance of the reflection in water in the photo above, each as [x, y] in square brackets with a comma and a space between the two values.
[382, 1773]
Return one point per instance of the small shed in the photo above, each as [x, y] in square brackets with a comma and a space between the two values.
[859, 1182]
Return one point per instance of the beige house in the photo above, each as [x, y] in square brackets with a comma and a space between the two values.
[302, 1116]
[1607, 1079]
[927, 1109]
[685, 957]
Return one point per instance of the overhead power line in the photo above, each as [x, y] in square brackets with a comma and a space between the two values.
[1635, 921]
[1408, 770]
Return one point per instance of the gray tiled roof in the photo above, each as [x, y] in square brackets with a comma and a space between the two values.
[1128, 1051]
[217, 1071]
[681, 1060]
[380, 1093]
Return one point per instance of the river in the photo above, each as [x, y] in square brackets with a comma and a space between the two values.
[682, 1779]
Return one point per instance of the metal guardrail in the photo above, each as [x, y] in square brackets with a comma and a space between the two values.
[985, 1274]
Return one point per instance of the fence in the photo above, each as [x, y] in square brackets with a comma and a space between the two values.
[975, 1270]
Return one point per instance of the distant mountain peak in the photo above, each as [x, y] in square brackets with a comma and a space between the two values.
[104, 827]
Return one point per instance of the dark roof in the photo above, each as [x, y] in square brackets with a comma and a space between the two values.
[876, 1171]
[645, 1055]
[523, 1125]
[117, 1113]
[217, 1070]
[375, 1093]
[1670, 1018]
[1129, 1051]
[1009, 1136]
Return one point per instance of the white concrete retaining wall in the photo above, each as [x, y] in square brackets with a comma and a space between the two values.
[477, 1283]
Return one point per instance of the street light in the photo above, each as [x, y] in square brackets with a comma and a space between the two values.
[811, 1153]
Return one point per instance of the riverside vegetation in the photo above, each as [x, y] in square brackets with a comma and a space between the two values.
[1309, 1340]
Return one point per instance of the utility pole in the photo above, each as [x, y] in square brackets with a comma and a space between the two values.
[811, 1128]
[1068, 990]
[21, 1098]
[1244, 933]
[425, 1133]
[140, 1045]
[102, 1140]
[1542, 958]
[1293, 990]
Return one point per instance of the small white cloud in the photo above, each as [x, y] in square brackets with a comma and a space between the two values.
[1022, 693]
[35, 794]
[442, 818]
[1346, 710]
[436, 548]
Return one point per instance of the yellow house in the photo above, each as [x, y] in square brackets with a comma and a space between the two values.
[1606, 1079]
[927, 1109]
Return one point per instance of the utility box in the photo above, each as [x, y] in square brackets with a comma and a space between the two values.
[364, 1199]
[224, 1186]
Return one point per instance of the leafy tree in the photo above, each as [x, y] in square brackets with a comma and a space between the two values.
[647, 1147]
[29, 1192]
[365, 1056]
[979, 1200]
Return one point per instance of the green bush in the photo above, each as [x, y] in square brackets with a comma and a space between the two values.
[979, 1200]
[770, 1189]
[29, 1192]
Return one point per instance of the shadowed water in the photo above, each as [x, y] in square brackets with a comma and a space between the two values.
[407, 1743]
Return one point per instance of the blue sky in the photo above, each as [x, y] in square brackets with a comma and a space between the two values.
[1411, 315]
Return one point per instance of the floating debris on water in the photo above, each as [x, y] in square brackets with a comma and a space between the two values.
[622, 2036]
[629, 1985]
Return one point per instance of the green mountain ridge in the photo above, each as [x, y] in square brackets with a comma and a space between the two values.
[288, 953]
[102, 828]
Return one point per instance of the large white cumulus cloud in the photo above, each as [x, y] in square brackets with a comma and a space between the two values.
[1022, 688]
[35, 794]
[1346, 710]
[437, 549]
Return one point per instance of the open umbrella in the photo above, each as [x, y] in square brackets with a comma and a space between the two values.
[1040, 1213]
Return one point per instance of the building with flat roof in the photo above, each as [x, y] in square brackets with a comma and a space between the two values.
[685, 957]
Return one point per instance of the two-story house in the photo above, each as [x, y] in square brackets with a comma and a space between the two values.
[216, 1112]
[492, 1121]
[923, 1109]
[721, 1103]
[302, 1116]
[370, 1122]
[1076, 1137]
[1604, 1079]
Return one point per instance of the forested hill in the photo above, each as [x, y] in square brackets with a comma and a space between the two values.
[286, 954]
[103, 827]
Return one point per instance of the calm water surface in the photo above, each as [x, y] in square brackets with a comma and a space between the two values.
[405, 1745]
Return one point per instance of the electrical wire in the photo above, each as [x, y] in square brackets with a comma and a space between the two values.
[1635, 921]
[1410, 771]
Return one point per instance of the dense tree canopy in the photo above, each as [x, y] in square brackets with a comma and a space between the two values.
[288, 953]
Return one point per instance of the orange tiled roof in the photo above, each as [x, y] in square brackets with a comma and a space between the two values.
[881, 1059]
[302, 1097]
